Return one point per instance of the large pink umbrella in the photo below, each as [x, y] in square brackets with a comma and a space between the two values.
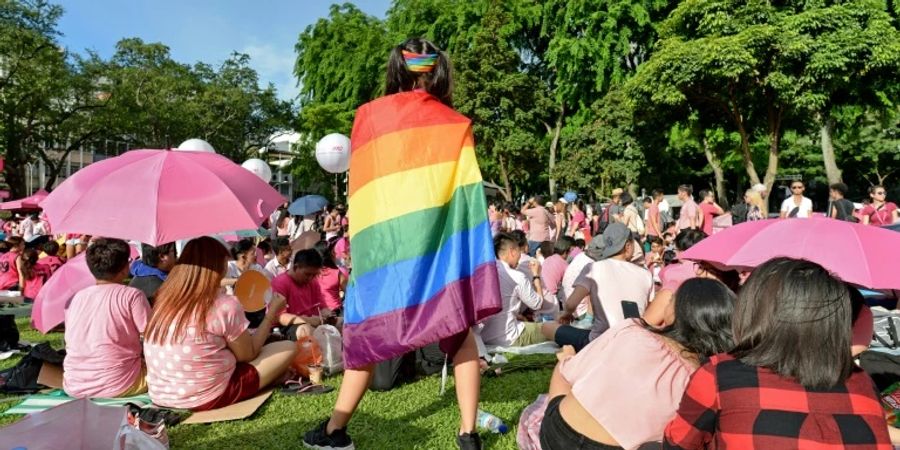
[160, 196]
[858, 254]
[49, 309]
[33, 201]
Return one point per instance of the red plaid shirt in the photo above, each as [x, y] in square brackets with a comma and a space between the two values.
[729, 404]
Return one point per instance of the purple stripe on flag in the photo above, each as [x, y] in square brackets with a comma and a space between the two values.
[458, 306]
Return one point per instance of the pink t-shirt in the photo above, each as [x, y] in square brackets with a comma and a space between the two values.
[579, 221]
[883, 216]
[538, 224]
[653, 217]
[104, 324]
[630, 381]
[342, 248]
[305, 300]
[9, 272]
[195, 370]
[330, 287]
[552, 271]
[674, 274]
[709, 211]
[688, 210]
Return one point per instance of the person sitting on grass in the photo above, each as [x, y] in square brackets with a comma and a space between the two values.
[104, 324]
[623, 388]
[281, 263]
[11, 264]
[505, 329]
[300, 286]
[332, 282]
[149, 272]
[50, 257]
[33, 273]
[200, 354]
[244, 259]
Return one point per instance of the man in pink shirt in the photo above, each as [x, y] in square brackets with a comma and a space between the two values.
[539, 223]
[552, 271]
[710, 209]
[305, 310]
[104, 324]
[689, 217]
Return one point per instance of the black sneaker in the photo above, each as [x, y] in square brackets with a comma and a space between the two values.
[469, 441]
[318, 439]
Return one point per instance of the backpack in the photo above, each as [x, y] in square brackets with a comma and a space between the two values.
[638, 221]
[22, 378]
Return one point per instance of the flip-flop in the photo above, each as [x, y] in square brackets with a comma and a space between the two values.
[304, 388]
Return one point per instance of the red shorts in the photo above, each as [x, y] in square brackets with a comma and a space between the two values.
[244, 383]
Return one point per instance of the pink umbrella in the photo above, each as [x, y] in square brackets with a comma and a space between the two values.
[33, 201]
[160, 196]
[49, 309]
[856, 253]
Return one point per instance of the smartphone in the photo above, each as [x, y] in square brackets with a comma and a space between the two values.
[630, 309]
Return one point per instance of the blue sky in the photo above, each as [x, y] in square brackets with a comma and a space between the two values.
[204, 30]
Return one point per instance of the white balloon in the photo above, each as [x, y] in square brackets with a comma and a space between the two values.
[259, 167]
[196, 145]
[333, 153]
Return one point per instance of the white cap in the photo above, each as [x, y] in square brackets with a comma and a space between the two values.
[563, 201]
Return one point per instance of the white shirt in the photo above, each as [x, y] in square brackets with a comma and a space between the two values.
[806, 207]
[27, 229]
[275, 268]
[663, 205]
[524, 266]
[576, 267]
[235, 272]
[610, 282]
[515, 290]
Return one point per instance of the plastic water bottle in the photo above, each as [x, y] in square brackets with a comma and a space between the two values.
[491, 422]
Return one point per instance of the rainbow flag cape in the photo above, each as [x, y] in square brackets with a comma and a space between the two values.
[420, 240]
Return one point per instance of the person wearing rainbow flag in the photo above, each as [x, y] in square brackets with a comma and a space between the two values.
[424, 268]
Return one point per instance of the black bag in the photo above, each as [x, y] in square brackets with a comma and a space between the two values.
[739, 213]
[22, 378]
[884, 368]
[9, 333]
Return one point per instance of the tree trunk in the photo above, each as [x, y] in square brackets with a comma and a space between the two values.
[504, 175]
[718, 171]
[554, 144]
[775, 114]
[831, 169]
[745, 149]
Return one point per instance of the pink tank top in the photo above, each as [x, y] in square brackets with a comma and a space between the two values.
[9, 273]
[330, 285]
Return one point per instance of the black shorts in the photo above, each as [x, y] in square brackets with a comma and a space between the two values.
[569, 335]
[557, 434]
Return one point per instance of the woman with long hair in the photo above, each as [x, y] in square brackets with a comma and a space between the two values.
[11, 262]
[399, 251]
[790, 380]
[622, 389]
[754, 205]
[200, 354]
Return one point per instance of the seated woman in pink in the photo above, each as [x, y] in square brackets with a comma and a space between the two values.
[199, 353]
[11, 264]
[332, 281]
[104, 324]
[622, 389]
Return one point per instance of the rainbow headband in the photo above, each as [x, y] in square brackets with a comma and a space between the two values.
[420, 62]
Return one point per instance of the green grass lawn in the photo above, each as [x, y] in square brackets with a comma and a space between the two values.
[413, 416]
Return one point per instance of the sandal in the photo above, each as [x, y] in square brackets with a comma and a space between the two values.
[293, 387]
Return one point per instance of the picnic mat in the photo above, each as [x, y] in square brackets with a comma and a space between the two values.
[40, 402]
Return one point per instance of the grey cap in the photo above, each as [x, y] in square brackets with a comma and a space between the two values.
[613, 239]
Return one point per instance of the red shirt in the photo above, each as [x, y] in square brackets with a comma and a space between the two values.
[881, 216]
[709, 211]
[302, 300]
[729, 404]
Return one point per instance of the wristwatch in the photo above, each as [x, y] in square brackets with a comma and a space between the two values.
[535, 277]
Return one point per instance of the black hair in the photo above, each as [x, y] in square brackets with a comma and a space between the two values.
[626, 199]
[703, 310]
[704, 193]
[107, 257]
[280, 244]
[519, 237]
[4, 247]
[150, 255]
[504, 241]
[580, 243]
[438, 82]
[29, 260]
[563, 244]
[857, 301]
[655, 240]
[688, 238]
[51, 248]
[265, 245]
[308, 258]
[241, 247]
[547, 249]
[669, 256]
[786, 308]
[686, 188]
[730, 278]
[657, 192]
[324, 249]
[840, 188]
[579, 204]
[875, 187]
[648, 200]
[539, 199]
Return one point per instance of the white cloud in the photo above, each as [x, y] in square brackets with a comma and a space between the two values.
[275, 65]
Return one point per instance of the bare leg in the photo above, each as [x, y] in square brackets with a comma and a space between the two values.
[70, 251]
[353, 388]
[273, 361]
[468, 383]
[548, 329]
